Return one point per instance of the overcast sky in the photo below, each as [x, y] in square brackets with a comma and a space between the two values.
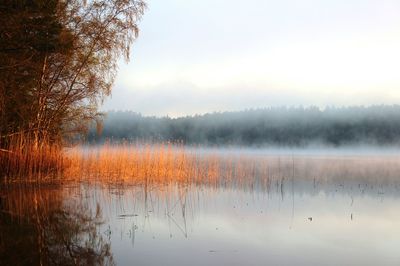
[197, 56]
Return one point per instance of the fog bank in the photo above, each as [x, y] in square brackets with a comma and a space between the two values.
[353, 127]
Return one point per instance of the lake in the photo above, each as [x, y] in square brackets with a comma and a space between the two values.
[249, 208]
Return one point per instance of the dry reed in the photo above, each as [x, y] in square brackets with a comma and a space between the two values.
[153, 164]
[141, 164]
[24, 160]
[160, 164]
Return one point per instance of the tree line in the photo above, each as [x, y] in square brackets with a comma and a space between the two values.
[374, 125]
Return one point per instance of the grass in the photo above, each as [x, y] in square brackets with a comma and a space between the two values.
[22, 160]
[153, 164]
[166, 163]
[128, 163]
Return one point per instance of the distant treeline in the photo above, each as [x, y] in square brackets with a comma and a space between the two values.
[375, 125]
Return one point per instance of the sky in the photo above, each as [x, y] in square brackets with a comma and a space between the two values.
[199, 56]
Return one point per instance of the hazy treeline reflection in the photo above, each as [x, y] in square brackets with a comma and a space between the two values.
[47, 225]
[273, 126]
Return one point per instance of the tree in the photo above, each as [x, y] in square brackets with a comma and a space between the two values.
[29, 30]
[61, 56]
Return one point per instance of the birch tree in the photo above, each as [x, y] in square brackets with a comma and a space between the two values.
[73, 60]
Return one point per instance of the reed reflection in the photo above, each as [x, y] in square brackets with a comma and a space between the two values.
[50, 225]
[182, 204]
[246, 183]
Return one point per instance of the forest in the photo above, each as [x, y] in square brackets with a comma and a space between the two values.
[296, 126]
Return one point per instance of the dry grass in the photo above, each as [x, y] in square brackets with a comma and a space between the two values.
[153, 164]
[159, 164]
[119, 163]
[22, 160]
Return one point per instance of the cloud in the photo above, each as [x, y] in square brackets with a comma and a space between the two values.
[201, 56]
[180, 98]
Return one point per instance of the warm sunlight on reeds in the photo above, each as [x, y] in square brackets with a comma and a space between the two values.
[166, 163]
[133, 163]
[150, 164]
[23, 160]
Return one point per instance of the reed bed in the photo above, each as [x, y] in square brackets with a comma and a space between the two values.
[23, 160]
[127, 163]
[154, 164]
[166, 163]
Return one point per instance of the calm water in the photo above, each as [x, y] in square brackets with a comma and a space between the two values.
[306, 210]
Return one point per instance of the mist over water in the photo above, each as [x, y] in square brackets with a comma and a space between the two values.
[262, 207]
[297, 127]
[255, 132]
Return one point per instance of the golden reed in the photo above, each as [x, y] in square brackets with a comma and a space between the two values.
[152, 164]
[21, 159]
[128, 163]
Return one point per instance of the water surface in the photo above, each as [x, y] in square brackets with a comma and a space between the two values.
[288, 210]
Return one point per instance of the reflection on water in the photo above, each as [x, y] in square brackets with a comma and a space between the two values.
[281, 210]
[50, 225]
